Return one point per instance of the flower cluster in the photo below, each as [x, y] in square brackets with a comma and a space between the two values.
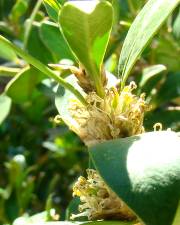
[117, 115]
[98, 201]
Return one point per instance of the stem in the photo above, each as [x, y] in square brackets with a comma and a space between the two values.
[99, 89]
[44, 69]
[31, 19]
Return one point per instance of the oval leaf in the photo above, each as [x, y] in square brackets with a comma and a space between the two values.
[141, 32]
[86, 26]
[144, 171]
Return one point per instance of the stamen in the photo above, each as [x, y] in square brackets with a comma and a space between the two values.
[58, 119]
[157, 127]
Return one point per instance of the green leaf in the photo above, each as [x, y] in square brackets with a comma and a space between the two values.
[144, 171]
[53, 7]
[86, 26]
[22, 87]
[54, 41]
[5, 105]
[144, 27]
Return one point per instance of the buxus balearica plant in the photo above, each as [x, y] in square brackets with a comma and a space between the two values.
[134, 175]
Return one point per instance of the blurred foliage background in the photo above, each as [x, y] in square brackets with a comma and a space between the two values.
[40, 159]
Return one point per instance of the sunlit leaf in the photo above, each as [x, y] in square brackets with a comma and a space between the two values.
[86, 25]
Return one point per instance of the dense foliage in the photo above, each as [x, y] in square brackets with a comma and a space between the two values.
[40, 158]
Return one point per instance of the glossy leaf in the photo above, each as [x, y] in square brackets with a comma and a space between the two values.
[54, 41]
[86, 27]
[144, 171]
[5, 105]
[144, 27]
[22, 87]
